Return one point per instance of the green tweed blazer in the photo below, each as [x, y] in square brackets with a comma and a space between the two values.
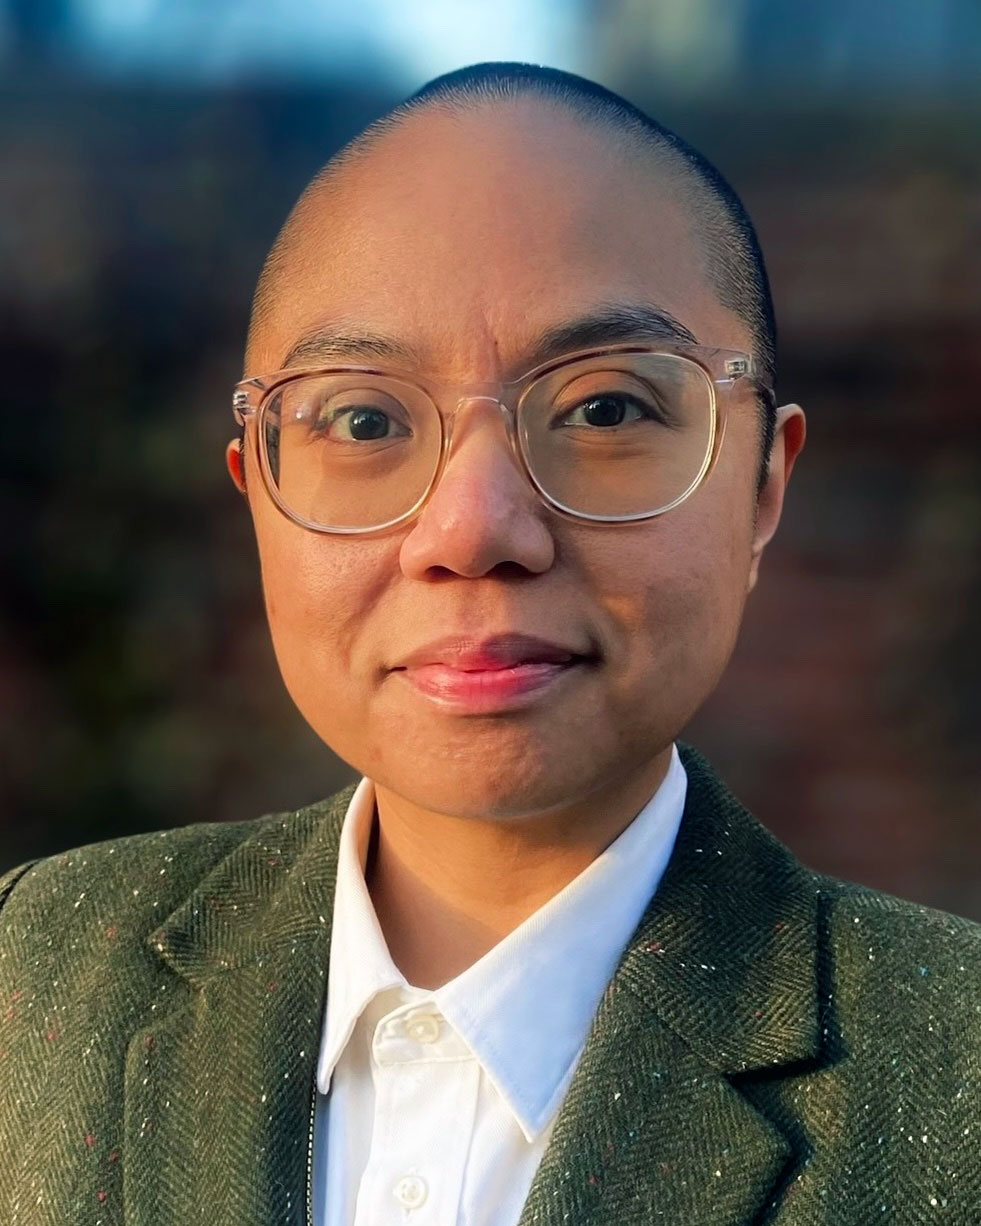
[774, 1047]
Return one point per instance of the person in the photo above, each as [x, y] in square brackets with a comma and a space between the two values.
[512, 453]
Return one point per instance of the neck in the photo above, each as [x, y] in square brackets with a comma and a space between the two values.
[447, 889]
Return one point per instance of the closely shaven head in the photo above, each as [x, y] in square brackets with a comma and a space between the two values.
[731, 258]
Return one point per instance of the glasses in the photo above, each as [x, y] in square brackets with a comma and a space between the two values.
[611, 435]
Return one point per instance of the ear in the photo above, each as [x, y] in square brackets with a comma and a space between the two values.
[788, 441]
[235, 463]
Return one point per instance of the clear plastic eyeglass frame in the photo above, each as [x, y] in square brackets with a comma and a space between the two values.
[722, 370]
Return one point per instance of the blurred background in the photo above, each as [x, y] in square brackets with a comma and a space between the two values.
[149, 152]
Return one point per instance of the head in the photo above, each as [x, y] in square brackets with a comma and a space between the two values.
[499, 206]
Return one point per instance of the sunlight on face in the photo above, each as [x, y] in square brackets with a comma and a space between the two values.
[465, 238]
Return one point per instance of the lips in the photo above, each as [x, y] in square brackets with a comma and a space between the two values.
[491, 654]
[495, 676]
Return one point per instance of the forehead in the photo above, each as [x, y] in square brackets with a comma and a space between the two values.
[464, 235]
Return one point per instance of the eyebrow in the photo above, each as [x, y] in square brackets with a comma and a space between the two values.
[609, 324]
[332, 343]
[606, 325]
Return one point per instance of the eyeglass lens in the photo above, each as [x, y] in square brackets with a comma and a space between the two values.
[611, 435]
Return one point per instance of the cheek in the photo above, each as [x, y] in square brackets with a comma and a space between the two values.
[674, 598]
[319, 591]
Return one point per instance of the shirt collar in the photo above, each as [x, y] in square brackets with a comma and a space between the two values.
[525, 1008]
[360, 964]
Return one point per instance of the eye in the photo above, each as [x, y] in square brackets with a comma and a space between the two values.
[597, 402]
[609, 409]
[358, 424]
[606, 409]
[353, 417]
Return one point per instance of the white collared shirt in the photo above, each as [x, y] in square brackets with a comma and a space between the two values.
[435, 1106]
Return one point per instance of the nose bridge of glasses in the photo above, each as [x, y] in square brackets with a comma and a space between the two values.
[488, 395]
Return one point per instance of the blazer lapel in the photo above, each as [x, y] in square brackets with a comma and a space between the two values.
[219, 1090]
[719, 980]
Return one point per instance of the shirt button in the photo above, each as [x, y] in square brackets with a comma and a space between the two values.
[411, 1191]
[424, 1028]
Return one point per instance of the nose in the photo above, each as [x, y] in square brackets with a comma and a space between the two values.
[484, 512]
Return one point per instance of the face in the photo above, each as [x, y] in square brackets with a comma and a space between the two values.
[466, 239]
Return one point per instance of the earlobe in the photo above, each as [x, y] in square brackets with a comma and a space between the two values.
[235, 463]
[788, 441]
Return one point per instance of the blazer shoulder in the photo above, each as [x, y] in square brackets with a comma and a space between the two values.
[107, 868]
[67, 904]
[904, 968]
[908, 926]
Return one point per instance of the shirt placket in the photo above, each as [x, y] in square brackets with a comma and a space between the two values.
[426, 1083]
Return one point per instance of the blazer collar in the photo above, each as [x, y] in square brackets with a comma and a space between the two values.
[726, 952]
[276, 890]
[718, 979]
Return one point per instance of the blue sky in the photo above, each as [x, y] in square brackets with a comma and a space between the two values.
[408, 40]
[686, 46]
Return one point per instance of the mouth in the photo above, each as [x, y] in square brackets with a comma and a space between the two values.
[497, 687]
[495, 653]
